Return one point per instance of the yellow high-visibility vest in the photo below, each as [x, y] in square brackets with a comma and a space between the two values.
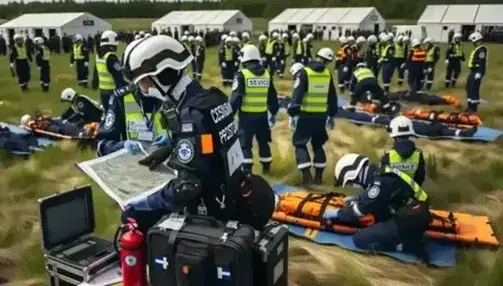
[430, 54]
[419, 193]
[77, 52]
[471, 64]
[106, 80]
[47, 53]
[269, 48]
[399, 51]
[228, 54]
[362, 73]
[408, 165]
[21, 52]
[256, 90]
[316, 98]
[135, 122]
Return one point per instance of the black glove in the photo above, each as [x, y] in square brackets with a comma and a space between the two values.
[155, 159]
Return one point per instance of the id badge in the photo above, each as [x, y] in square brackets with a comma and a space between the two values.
[146, 136]
[234, 157]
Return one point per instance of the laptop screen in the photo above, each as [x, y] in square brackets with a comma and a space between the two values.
[67, 216]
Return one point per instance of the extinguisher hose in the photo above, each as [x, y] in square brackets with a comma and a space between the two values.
[118, 232]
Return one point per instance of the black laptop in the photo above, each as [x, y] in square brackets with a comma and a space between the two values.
[71, 251]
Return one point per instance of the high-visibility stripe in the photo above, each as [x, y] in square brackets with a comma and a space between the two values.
[419, 193]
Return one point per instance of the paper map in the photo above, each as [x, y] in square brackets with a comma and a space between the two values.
[123, 179]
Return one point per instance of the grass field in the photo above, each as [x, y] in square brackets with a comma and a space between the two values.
[467, 177]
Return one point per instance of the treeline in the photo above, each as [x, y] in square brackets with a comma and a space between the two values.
[390, 9]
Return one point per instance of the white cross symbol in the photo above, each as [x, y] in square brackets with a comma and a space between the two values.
[164, 262]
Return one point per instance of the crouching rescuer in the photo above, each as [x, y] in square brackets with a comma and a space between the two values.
[398, 204]
[204, 148]
[254, 96]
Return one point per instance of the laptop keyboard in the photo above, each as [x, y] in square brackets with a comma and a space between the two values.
[93, 250]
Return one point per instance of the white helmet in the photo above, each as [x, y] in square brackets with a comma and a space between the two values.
[233, 34]
[229, 39]
[199, 39]
[343, 40]
[223, 37]
[405, 39]
[475, 37]
[296, 67]
[160, 58]
[391, 35]
[236, 40]
[382, 35]
[109, 38]
[399, 38]
[17, 36]
[361, 65]
[305, 40]
[284, 36]
[310, 36]
[191, 38]
[184, 38]
[245, 35]
[427, 41]
[372, 39]
[351, 39]
[68, 94]
[142, 34]
[77, 37]
[348, 168]
[147, 35]
[326, 53]
[295, 36]
[250, 53]
[275, 35]
[360, 40]
[385, 38]
[137, 37]
[457, 35]
[262, 38]
[38, 41]
[186, 33]
[401, 126]
[25, 119]
[415, 42]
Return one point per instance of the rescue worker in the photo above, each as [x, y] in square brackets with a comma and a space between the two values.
[477, 64]
[82, 109]
[185, 42]
[262, 42]
[399, 206]
[359, 50]
[80, 58]
[192, 48]
[342, 62]
[415, 66]
[432, 56]
[380, 49]
[309, 48]
[237, 42]
[228, 59]
[283, 54]
[20, 57]
[200, 57]
[312, 110]
[387, 63]
[255, 98]
[405, 156]
[298, 49]
[204, 147]
[399, 58]
[372, 54]
[454, 56]
[365, 88]
[3, 46]
[246, 39]
[107, 69]
[222, 40]
[271, 49]
[42, 58]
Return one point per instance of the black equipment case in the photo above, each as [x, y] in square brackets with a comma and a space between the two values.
[200, 251]
[270, 259]
[72, 254]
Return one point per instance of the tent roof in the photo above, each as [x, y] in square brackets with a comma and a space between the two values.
[283, 16]
[42, 20]
[323, 15]
[315, 15]
[211, 17]
[462, 14]
[333, 15]
[356, 15]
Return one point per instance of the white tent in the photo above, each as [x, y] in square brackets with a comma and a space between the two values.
[229, 20]
[49, 24]
[439, 20]
[329, 20]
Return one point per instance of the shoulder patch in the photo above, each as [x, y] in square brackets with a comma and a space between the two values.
[235, 84]
[482, 55]
[373, 192]
[185, 151]
[109, 120]
[80, 104]
[117, 66]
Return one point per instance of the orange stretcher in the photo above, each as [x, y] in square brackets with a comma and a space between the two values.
[36, 126]
[306, 209]
[453, 118]
[451, 100]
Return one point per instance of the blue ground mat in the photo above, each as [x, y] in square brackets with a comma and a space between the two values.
[42, 142]
[441, 254]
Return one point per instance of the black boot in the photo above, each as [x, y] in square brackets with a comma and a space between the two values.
[266, 168]
[453, 83]
[307, 177]
[447, 84]
[45, 88]
[318, 176]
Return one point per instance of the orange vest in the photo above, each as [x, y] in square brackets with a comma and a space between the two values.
[418, 55]
[341, 53]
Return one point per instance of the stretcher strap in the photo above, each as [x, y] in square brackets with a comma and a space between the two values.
[298, 211]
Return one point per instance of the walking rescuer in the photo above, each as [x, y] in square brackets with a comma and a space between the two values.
[205, 149]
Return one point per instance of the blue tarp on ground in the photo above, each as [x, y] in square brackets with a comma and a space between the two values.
[42, 142]
[441, 254]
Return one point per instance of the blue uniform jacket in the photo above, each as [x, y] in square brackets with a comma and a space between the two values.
[300, 90]
[239, 89]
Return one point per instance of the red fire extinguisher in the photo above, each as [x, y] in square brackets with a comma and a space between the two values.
[132, 254]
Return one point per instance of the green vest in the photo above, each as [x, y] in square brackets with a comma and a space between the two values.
[77, 52]
[408, 166]
[458, 50]
[47, 53]
[380, 49]
[106, 80]
[301, 47]
[287, 48]
[187, 46]
[399, 51]
[92, 101]
[419, 193]
[363, 73]
[256, 90]
[472, 57]
[21, 52]
[384, 52]
[430, 54]
[269, 48]
[136, 126]
[315, 100]
[228, 53]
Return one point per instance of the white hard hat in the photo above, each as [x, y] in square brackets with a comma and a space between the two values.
[223, 37]
[427, 41]
[372, 39]
[401, 126]
[475, 37]
[199, 38]
[191, 38]
[305, 40]
[326, 53]
[233, 34]
[245, 35]
[149, 57]
[382, 35]
[310, 36]
[109, 38]
[361, 65]
[391, 35]
[186, 33]
[351, 39]
[262, 38]
[68, 94]
[236, 40]
[360, 40]
[229, 39]
[17, 36]
[25, 119]
[147, 35]
[38, 41]
[415, 42]
[284, 36]
[385, 38]
[275, 35]
[405, 39]
[343, 40]
[399, 38]
[296, 67]
[137, 37]
[77, 37]
[184, 38]
[249, 53]
[348, 168]
[142, 33]
[457, 35]
[295, 35]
